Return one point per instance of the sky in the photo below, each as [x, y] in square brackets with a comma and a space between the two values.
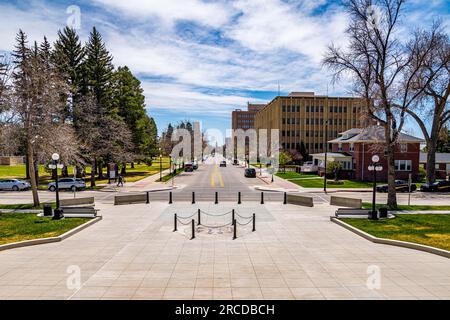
[199, 59]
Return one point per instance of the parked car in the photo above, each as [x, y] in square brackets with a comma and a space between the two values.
[223, 164]
[68, 184]
[195, 165]
[188, 167]
[309, 167]
[440, 186]
[250, 173]
[400, 185]
[14, 185]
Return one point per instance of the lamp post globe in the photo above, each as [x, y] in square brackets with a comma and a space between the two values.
[55, 157]
[375, 159]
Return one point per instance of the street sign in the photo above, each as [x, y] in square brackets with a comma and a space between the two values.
[52, 166]
[60, 166]
[409, 188]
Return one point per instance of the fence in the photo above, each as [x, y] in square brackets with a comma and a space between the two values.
[235, 221]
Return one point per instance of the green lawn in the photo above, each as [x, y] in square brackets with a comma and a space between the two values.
[428, 229]
[15, 227]
[139, 172]
[27, 206]
[367, 205]
[169, 176]
[313, 181]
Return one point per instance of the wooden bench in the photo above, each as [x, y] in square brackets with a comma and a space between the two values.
[130, 199]
[79, 212]
[352, 212]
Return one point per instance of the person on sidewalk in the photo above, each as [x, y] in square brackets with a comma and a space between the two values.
[121, 181]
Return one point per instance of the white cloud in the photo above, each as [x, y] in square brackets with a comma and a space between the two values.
[170, 11]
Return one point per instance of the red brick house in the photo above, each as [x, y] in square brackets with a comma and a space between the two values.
[442, 164]
[354, 150]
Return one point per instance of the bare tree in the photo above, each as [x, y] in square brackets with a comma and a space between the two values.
[36, 103]
[382, 68]
[433, 107]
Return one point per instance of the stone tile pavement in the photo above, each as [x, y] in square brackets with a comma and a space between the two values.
[296, 253]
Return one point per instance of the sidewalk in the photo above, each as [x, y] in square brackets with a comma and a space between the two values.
[150, 183]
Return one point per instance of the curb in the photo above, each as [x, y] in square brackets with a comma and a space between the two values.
[397, 243]
[60, 238]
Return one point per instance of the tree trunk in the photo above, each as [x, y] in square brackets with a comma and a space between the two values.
[392, 193]
[33, 181]
[124, 169]
[93, 172]
[132, 165]
[431, 160]
[65, 172]
[100, 170]
[27, 169]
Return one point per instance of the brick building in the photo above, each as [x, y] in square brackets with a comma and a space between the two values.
[303, 117]
[245, 119]
[442, 164]
[354, 150]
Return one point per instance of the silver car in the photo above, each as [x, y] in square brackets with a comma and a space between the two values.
[14, 185]
[68, 184]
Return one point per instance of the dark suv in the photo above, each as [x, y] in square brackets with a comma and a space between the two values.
[441, 186]
[250, 173]
[400, 186]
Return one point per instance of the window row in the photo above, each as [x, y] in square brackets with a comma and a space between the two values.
[403, 165]
[319, 109]
[318, 121]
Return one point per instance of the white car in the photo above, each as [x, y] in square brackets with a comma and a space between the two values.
[309, 167]
[68, 183]
[14, 185]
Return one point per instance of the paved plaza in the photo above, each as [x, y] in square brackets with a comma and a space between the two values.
[295, 253]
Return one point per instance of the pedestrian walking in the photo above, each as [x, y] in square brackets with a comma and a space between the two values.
[121, 181]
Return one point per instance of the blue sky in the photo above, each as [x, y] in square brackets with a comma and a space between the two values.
[200, 59]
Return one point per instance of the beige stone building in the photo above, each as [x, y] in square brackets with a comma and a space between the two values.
[302, 117]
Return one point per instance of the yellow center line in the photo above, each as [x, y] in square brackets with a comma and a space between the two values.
[219, 175]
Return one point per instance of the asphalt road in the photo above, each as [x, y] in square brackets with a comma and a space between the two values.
[211, 178]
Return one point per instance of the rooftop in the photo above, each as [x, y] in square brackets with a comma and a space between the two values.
[371, 134]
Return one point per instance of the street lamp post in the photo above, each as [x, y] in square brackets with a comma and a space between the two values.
[58, 212]
[326, 157]
[375, 167]
[260, 166]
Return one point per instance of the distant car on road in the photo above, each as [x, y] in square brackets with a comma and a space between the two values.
[440, 186]
[195, 165]
[188, 167]
[14, 185]
[400, 185]
[250, 173]
[68, 184]
[223, 164]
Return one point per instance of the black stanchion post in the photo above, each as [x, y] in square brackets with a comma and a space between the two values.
[254, 222]
[217, 198]
[232, 217]
[175, 218]
[262, 197]
[193, 197]
[148, 197]
[199, 217]
[193, 229]
[234, 230]
[285, 198]
[239, 198]
[170, 197]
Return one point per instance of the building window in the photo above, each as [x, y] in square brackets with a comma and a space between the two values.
[307, 120]
[437, 166]
[283, 133]
[352, 147]
[288, 108]
[284, 120]
[288, 121]
[284, 108]
[403, 165]
[307, 108]
[403, 147]
[298, 108]
[340, 147]
[331, 109]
